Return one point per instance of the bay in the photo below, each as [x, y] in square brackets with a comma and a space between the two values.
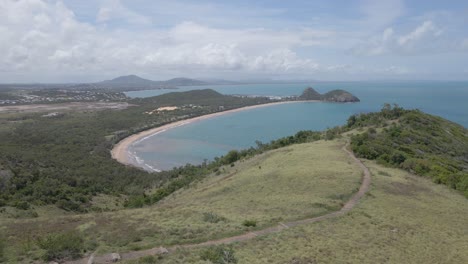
[195, 142]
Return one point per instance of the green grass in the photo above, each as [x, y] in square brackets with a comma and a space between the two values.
[403, 219]
[291, 183]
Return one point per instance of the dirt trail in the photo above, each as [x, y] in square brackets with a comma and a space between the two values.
[365, 184]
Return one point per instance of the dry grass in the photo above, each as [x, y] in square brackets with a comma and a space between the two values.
[403, 219]
[286, 184]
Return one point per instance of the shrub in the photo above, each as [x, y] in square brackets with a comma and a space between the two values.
[22, 205]
[249, 223]
[60, 246]
[384, 173]
[2, 249]
[69, 206]
[231, 157]
[212, 217]
[148, 260]
[219, 255]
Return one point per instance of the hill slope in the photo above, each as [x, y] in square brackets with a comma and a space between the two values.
[293, 182]
[184, 82]
[339, 96]
[415, 141]
[133, 82]
[130, 79]
[286, 184]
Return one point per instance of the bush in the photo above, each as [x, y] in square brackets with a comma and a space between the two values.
[212, 217]
[148, 260]
[249, 223]
[69, 206]
[22, 205]
[2, 249]
[231, 157]
[61, 246]
[219, 255]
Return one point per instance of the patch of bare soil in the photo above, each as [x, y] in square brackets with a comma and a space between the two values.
[74, 106]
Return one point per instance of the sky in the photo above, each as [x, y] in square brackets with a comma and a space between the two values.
[86, 41]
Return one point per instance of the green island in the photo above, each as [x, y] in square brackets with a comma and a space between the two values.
[63, 198]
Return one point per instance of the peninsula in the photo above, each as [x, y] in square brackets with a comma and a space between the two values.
[121, 152]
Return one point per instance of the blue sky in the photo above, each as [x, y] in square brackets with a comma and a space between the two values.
[77, 40]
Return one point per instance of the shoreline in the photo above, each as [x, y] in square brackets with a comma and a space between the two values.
[121, 153]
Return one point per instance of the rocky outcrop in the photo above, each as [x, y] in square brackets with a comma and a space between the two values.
[115, 257]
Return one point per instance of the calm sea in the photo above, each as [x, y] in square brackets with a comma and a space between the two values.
[193, 143]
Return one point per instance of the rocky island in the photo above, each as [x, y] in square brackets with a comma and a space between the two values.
[339, 96]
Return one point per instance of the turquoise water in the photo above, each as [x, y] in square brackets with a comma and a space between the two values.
[195, 142]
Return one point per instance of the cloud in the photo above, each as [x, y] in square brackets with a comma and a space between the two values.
[425, 38]
[464, 44]
[425, 30]
[113, 10]
[53, 40]
[45, 39]
[381, 13]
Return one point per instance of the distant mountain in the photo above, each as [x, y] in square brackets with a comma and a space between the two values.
[130, 79]
[339, 96]
[184, 82]
[134, 83]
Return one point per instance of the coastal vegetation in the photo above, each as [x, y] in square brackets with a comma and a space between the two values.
[420, 143]
[403, 219]
[63, 196]
[65, 159]
[258, 192]
[70, 152]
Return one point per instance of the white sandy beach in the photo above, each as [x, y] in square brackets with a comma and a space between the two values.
[120, 152]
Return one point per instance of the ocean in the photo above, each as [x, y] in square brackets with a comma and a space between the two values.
[199, 141]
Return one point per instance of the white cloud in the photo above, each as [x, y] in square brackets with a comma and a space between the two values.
[113, 10]
[55, 41]
[392, 70]
[426, 38]
[425, 30]
[381, 13]
[40, 38]
[387, 34]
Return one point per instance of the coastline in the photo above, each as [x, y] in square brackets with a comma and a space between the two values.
[121, 152]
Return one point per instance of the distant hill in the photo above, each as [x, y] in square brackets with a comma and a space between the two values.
[130, 79]
[184, 82]
[339, 96]
[310, 94]
[134, 82]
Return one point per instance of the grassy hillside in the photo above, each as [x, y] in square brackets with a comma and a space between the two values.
[403, 219]
[290, 183]
[423, 144]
